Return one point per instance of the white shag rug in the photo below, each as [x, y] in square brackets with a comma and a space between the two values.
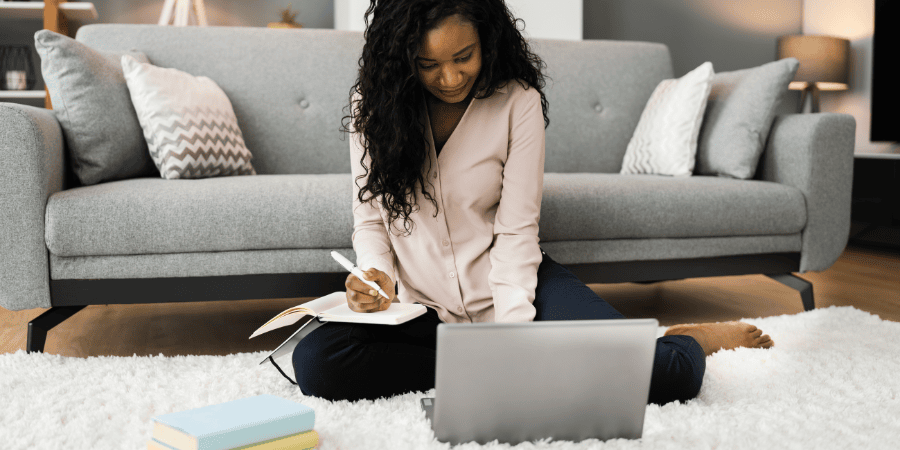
[832, 381]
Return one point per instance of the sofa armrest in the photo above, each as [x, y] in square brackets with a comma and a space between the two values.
[814, 153]
[31, 170]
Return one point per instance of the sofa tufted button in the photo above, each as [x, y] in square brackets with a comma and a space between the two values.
[598, 107]
[304, 103]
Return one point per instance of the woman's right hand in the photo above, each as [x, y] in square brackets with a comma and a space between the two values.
[362, 298]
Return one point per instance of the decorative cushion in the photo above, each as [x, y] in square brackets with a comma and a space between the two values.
[665, 140]
[188, 122]
[739, 114]
[91, 102]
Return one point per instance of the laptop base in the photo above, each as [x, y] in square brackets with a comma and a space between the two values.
[428, 406]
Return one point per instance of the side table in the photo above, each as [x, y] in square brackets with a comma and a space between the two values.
[875, 211]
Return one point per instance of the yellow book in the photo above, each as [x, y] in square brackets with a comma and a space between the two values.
[300, 441]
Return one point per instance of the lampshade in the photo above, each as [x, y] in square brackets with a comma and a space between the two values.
[824, 60]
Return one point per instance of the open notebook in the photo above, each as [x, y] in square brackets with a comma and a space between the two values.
[332, 308]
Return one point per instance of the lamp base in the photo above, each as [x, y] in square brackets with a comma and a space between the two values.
[814, 107]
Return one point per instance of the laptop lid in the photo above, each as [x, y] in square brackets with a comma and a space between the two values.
[567, 380]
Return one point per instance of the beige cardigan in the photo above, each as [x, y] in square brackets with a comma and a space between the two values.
[476, 261]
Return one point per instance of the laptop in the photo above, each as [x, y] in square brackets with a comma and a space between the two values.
[566, 380]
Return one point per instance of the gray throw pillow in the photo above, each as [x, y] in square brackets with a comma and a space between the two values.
[93, 106]
[739, 113]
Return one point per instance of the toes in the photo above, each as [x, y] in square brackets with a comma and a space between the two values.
[756, 333]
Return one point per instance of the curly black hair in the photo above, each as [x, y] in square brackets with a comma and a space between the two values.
[391, 95]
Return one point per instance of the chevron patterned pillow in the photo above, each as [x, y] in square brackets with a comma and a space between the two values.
[665, 140]
[188, 122]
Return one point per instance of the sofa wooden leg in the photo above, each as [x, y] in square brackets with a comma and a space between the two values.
[40, 325]
[793, 281]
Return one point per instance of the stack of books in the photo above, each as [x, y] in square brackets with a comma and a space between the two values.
[264, 422]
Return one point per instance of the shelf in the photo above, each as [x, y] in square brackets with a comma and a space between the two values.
[80, 11]
[861, 155]
[57, 16]
[21, 94]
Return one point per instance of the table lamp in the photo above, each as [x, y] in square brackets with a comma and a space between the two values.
[824, 64]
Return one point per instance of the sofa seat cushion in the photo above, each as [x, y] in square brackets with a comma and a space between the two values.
[596, 206]
[267, 212]
[155, 215]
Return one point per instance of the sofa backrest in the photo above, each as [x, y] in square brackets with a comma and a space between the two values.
[290, 89]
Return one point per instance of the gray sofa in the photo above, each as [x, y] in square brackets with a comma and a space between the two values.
[151, 240]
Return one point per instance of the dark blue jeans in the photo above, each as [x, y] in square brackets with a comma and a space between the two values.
[344, 361]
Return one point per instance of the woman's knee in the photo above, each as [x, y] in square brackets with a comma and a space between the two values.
[308, 369]
[560, 295]
[678, 375]
[687, 383]
[316, 365]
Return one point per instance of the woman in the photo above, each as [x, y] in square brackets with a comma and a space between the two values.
[449, 93]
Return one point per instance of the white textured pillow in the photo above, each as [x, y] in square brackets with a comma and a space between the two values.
[188, 122]
[665, 140]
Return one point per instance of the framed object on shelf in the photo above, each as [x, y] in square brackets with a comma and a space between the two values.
[17, 71]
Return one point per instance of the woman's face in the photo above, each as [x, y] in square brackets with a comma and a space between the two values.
[450, 59]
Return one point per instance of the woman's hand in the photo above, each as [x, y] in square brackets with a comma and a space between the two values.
[362, 298]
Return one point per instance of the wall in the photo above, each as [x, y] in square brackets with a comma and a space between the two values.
[256, 13]
[732, 34]
[854, 21]
[238, 13]
[559, 19]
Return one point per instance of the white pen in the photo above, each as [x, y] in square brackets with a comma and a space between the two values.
[355, 271]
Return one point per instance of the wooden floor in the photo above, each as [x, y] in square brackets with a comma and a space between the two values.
[868, 279]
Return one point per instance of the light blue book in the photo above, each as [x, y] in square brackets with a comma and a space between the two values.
[233, 424]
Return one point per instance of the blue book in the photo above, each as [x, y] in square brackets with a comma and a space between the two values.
[233, 424]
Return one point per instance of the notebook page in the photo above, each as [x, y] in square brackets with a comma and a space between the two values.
[291, 315]
[398, 313]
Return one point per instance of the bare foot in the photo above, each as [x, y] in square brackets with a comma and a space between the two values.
[723, 335]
